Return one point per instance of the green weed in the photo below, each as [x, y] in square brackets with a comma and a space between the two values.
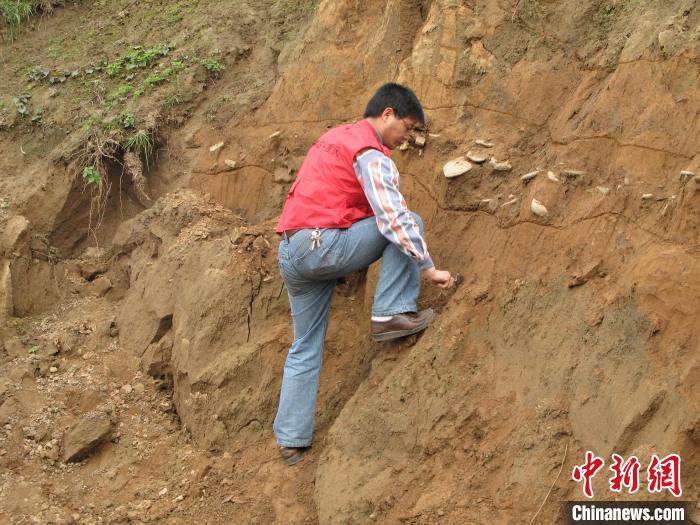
[55, 76]
[120, 92]
[181, 9]
[164, 74]
[212, 65]
[158, 77]
[137, 58]
[22, 104]
[34, 349]
[172, 100]
[125, 120]
[92, 176]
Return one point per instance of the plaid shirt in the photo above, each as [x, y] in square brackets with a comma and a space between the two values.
[379, 178]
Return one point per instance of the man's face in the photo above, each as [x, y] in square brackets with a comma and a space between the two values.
[395, 130]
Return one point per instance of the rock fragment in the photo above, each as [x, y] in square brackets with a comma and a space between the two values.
[538, 208]
[86, 435]
[456, 167]
[647, 196]
[230, 163]
[551, 176]
[283, 174]
[476, 157]
[216, 147]
[500, 166]
[529, 176]
[483, 143]
[582, 277]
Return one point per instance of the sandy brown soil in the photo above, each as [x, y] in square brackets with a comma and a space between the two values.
[164, 331]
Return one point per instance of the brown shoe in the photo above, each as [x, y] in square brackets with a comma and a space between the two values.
[292, 456]
[401, 325]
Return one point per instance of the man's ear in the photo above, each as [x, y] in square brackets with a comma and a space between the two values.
[388, 112]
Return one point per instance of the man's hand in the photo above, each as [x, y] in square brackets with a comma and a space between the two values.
[441, 278]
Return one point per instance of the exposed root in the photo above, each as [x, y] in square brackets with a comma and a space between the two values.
[563, 460]
[96, 150]
[133, 166]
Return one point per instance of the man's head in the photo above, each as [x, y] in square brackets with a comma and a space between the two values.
[394, 111]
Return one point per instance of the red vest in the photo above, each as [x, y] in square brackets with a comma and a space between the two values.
[326, 192]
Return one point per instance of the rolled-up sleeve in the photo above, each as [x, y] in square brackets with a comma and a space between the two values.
[379, 178]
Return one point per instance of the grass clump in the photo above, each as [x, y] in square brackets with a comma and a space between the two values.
[120, 92]
[14, 12]
[141, 143]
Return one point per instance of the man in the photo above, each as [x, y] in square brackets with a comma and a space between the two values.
[343, 212]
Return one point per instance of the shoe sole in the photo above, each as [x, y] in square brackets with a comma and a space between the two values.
[386, 336]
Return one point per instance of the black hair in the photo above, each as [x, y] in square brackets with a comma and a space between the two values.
[397, 97]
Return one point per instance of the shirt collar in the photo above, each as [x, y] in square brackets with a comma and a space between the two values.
[379, 137]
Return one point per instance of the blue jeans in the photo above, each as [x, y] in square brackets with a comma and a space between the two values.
[310, 277]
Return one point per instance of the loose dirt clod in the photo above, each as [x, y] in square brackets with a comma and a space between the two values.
[134, 167]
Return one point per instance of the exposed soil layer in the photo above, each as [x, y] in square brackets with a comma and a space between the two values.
[144, 327]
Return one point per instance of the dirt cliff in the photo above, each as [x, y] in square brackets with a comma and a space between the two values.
[158, 303]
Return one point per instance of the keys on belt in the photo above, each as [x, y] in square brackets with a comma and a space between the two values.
[315, 239]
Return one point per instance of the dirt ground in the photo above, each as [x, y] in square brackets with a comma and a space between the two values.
[144, 324]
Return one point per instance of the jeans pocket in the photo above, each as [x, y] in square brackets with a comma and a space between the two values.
[299, 245]
[324, 258]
